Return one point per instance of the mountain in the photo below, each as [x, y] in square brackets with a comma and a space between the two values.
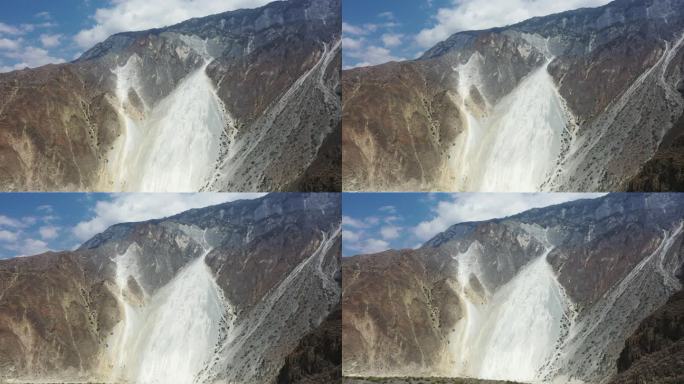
[240, 101]
[585, 100]
[221, 294]
[653, 352]
[549, 295]
[318, 357]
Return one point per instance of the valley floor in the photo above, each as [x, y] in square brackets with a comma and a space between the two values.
[418, 380]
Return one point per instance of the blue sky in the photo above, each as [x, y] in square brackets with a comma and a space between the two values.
[32, 223]
[385, 29]
[378, 31]
[374, 222]
[38, 32]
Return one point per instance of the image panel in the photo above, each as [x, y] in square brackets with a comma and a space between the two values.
[182, 96]
[170, 288]
[514, 288]
[476, 96]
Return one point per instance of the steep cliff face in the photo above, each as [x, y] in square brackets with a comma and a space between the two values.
[653, 353]
[318, 357]
[571, 86]
[219, 294]
[549, 294]
[221, 98]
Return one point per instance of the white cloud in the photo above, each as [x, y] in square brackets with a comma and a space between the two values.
[370, 234]
[9, 44]
[8, 236]
[391, 219]
[350, 43]
[44, 15]
[392, 39]
[24, 28]
[388, 209]
[48, 232]
[352, 29]
[10, 222]
[369, 44]
[48, 218]
[389, 232]
[369, 246]
[133, 15]
[9, 29]
[28, 247]
[32, 57]
[482, 14]
[484, 206]
[45, 208]
[32, 247]
[387, 15]
[372, 55]
[352, 222]
[24, 222]
[374, 246]
[50, 41]
[140, 207]
[351, 236]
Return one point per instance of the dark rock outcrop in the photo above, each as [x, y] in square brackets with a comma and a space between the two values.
[317, 358]
[654, 351]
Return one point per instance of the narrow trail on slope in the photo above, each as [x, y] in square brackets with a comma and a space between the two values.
[249, 146]
[600, 330]
[597, 143]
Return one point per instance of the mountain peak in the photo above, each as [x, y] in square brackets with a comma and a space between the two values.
[232, 25]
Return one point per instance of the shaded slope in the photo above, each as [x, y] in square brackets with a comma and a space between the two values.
[654, 351]
[317, 357]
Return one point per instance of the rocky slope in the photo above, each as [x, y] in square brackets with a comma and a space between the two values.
[548, 294]
[318, 357]
[585, 100]
[213, 295]
[654, 353]
[244, 100]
